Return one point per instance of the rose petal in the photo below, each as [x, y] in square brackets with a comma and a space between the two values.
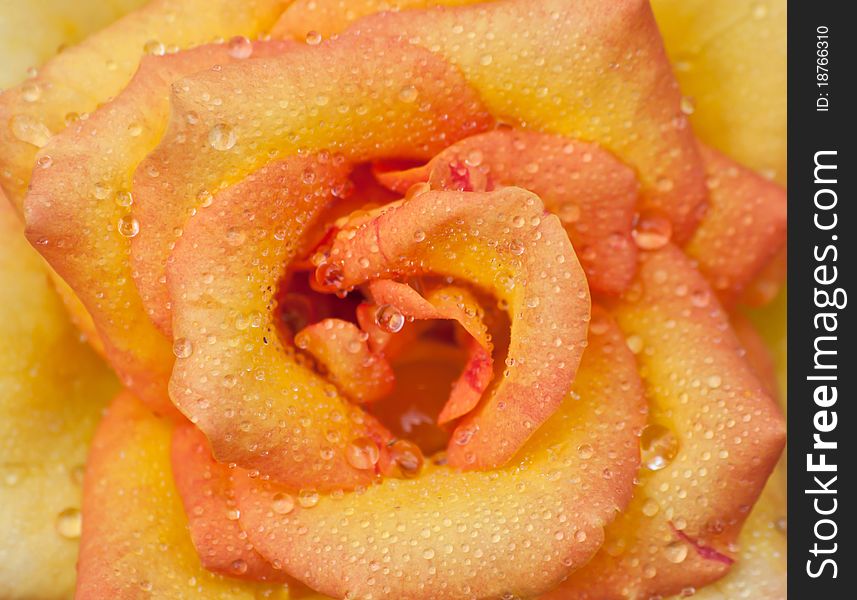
[438, 536]
[312, 19]
[589, 70]
[213, 518]
[226, 124]
[81, 77]
[135, 540]
[756, 353]
[712, 440]
[31, 32]
[240, 383]
[448, 303]
[760, 570]
[593, 194]
[52, 391]
[341, 348]
[474, 237]
[744, 228]
[81, 216]
[730, 59]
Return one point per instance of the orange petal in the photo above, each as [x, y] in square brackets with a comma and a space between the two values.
[440, 535]
[238, 381]
[505, 243]
[593, 194]
[744, 228]
[535, 64]
[206, 493]
[80, 212]
[757, 353]
[227, 124]
[343, 350]
[769, 282]
[81, 77]
[712, 440]
[447, 303]
[135, 539]
[469, 387]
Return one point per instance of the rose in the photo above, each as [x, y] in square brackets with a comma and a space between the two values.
[79, 174]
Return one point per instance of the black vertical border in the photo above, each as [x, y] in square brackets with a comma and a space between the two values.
[811, 131]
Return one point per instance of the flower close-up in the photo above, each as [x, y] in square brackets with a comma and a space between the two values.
[401, 299]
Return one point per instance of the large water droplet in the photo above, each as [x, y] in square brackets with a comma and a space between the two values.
[222, 137]
[362, 453]
[658, 446]
[389, 318]
[69, 523]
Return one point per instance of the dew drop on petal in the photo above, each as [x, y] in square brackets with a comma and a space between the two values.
[68, 523]
[658, 446]
[389, 318]
[362, 453]
[222, 137]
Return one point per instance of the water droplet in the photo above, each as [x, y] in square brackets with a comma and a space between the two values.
[687, 105]
[389, 318]
[222, 137]
[650, 508]
[128, 226]
[676, 552]
[69, 523]
[407, 457]
[313, 38]
[31, 91]
[154, 48]
[239, 566]
[308, 498]
[569, 213]
[658, 446]
[408, 93]
[45, 162]
[362, 453]
[714, 381]
[233, 514]
[516, 247]
[585, 451]
[240, 47]
[30, 130]
[652, 231]
[123, 198]
[283, 503]
[135, 129]
[182, 348]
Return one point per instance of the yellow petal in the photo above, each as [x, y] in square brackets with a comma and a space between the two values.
[52, 390]
[730, 59]
[31, 32]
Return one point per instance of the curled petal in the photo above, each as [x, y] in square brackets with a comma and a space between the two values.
[757, 353]
[744, 228]
[309, 99]
[81, 215]
[712, 440]
[135, 540]
[433, 537]
[240, 383]
[502, 242]
[83, 76]
[619, 91]
[448, 303]
[593, 194]
[344, 352]
[213, 517]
